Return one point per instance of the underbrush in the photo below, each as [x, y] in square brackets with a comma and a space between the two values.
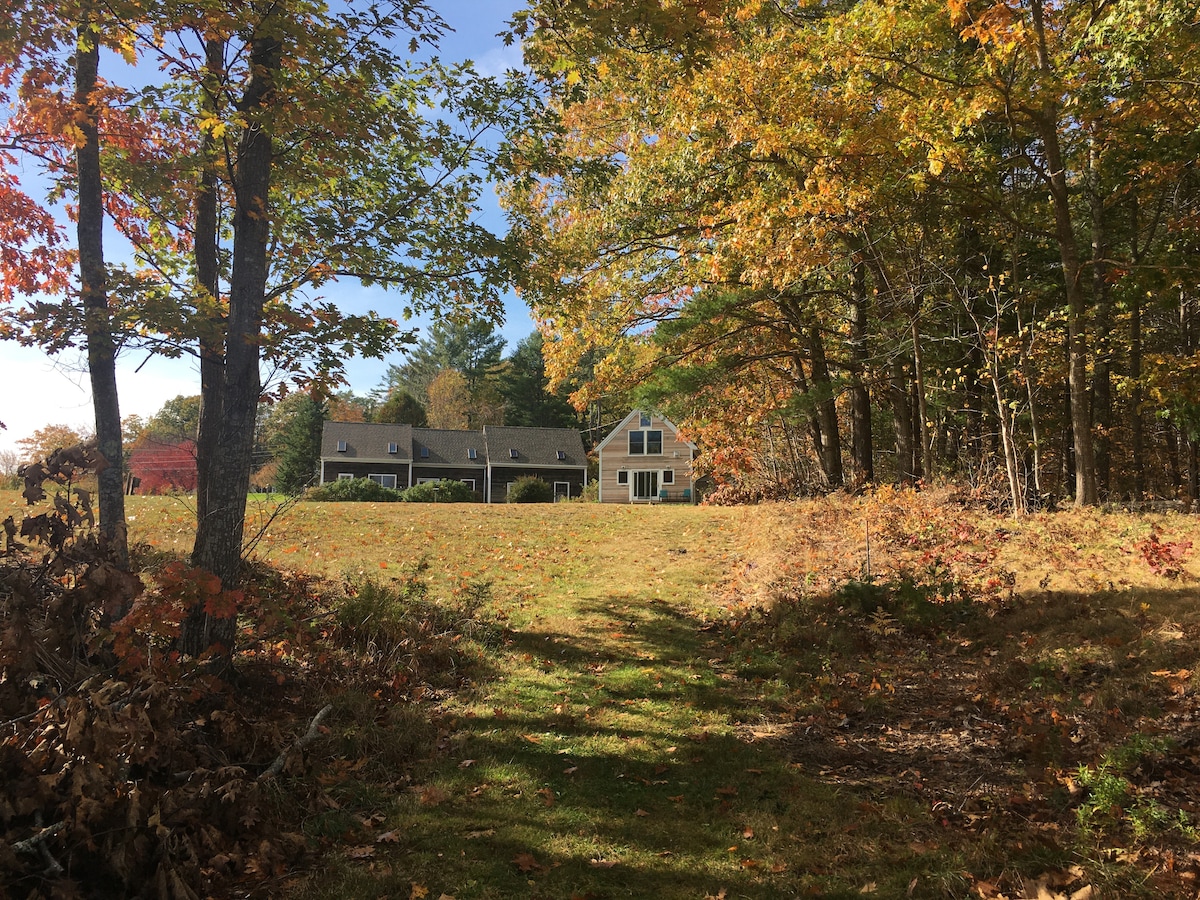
[1055, 719]
[131, 771]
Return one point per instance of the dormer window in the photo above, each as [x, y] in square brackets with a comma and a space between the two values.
[561, 454]
[341, 447]
[393, 447]
[513, 454]
[424, 453]
[471, 453]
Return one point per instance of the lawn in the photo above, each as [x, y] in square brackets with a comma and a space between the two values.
[892, 694]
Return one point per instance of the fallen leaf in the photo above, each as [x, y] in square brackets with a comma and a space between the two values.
[869, 888]
[360, 852]
[748, 833]
[476, 835]
[602, 863]
[419, 891]
[388, 837]
[466, 764]
[432, 796]
[527, 862]
[571, 770]
[532, 738]
[547, 796]
[641, 813]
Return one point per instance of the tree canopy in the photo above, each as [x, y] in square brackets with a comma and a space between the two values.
[946, 235]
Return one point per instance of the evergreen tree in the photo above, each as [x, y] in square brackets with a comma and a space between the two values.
[302, 447]
[525, 389]
[401, 408]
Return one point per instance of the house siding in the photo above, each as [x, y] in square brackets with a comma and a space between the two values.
[615, 456]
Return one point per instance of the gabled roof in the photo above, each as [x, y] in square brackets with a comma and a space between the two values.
[366, 441]
[535, 446]
[637, 414]
[448, 448]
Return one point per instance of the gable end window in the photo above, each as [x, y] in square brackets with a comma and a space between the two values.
[646, 442]
[644, 421]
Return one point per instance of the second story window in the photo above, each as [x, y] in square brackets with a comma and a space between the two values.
[646, 442]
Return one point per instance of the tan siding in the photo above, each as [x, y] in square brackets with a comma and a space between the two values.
[676, 455]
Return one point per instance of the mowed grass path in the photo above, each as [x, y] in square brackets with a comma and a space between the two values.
[603, 751]
[600, 759]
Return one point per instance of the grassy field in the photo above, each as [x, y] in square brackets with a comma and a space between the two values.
[891, 695]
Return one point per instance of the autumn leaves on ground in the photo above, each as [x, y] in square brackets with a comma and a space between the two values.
[891, 694]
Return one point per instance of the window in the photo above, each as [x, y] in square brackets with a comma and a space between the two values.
[561, 454]
[387, 481]
[646, 443]
[471, 454]
[645, 421]
[424, 453]
[562, 490]
[393, 447]
[345, 476]
[622, 477]
[469, 482]
[668, 476]
[513, 453]
[341, 447]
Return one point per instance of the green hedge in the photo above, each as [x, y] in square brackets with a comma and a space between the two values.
[354, 490]
[530, 490]
[444, 491]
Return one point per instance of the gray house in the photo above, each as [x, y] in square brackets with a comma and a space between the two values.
[488, 461]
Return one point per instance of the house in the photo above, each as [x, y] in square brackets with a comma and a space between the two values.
[383, 453]
[488, 461]
[555, 455]
[644, 461]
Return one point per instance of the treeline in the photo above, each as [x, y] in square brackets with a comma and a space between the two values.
[851, 242]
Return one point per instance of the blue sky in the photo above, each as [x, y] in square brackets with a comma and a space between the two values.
[40, 391]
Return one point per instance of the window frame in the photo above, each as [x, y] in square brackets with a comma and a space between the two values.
[381, 479]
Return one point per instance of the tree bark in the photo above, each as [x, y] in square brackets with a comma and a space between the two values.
[93, 290]
[901, 399]
[208, 281]
[829, 450]
[1101, 406]
[1046, 118]
[861, 439]
[218, 546]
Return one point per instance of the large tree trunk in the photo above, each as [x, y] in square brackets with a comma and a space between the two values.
[1086, 493]
[218, 546]
[829, 450]
[208, 278]
[93, 289]
[925, 453]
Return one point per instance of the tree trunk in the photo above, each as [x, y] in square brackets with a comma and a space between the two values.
[1101, 414]
[901, 399]
[829, 450]
[861, 439]
[1086, 493]
[922, 404]
[93, 290]
[218, 546]
[208, 278]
